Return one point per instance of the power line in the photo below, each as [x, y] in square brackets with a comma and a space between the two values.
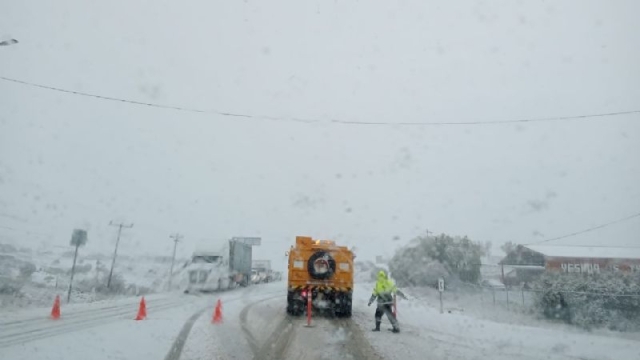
[588, 230]
[490, 122]
[310, 120]
[155, 105]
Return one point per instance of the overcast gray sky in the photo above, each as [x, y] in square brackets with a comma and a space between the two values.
[69, 161]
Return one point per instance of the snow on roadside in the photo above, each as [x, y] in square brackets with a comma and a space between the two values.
[32, 278]
[106, 329]
[481, 305]
[118, 338]
[426, 332]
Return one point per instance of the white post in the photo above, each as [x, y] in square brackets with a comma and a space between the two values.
[441, 290]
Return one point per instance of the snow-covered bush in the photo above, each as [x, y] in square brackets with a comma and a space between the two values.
[118, 285]
[609, 300]
[83, 269]
[10, 286]
[10, 291]
[428, 258]
[57, 270]
[7, 248]
[26, 269]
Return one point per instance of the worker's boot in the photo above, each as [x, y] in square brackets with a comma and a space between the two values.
[396, 326]
[377, 326]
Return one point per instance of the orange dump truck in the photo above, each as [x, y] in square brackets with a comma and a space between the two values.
[323, 271]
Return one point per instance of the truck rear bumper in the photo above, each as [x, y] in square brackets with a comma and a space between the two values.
[337, 302]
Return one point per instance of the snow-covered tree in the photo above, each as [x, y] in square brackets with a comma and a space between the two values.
[508, 247]
[487, 247]
[428, 258]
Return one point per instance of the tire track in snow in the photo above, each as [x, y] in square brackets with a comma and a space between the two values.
[253, 343]
[178, 345]
[340, 337]
[357, 344]
[278, 342]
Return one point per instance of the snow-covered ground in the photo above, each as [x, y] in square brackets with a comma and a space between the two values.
[106, 329]
[255, 326]
[427, 333]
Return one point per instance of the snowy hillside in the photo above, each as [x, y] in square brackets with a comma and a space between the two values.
[32, 277]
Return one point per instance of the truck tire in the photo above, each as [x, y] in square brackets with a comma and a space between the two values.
[331, 265]
[344, 306]
[347, 311]
[294, 307]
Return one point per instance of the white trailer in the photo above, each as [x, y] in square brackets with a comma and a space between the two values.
[226, 268]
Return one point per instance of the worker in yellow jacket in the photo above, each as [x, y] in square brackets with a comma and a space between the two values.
[384, 291]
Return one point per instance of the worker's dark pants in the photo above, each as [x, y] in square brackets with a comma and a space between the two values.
[386, 309]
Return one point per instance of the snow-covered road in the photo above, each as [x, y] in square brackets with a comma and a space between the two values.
[258, 328]
[255, 327]
[179, 327]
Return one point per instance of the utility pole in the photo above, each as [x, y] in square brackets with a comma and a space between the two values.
[115, 252]
[73, 270]
[176, 238]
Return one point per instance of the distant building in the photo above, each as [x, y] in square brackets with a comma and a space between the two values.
[588, 259]
[528, 261]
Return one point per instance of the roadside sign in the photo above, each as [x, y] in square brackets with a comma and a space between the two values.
[78, 237]
[253, 241]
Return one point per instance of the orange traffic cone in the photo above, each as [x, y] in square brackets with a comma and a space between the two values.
[55, 311]
[142, 310]
[217, 313]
